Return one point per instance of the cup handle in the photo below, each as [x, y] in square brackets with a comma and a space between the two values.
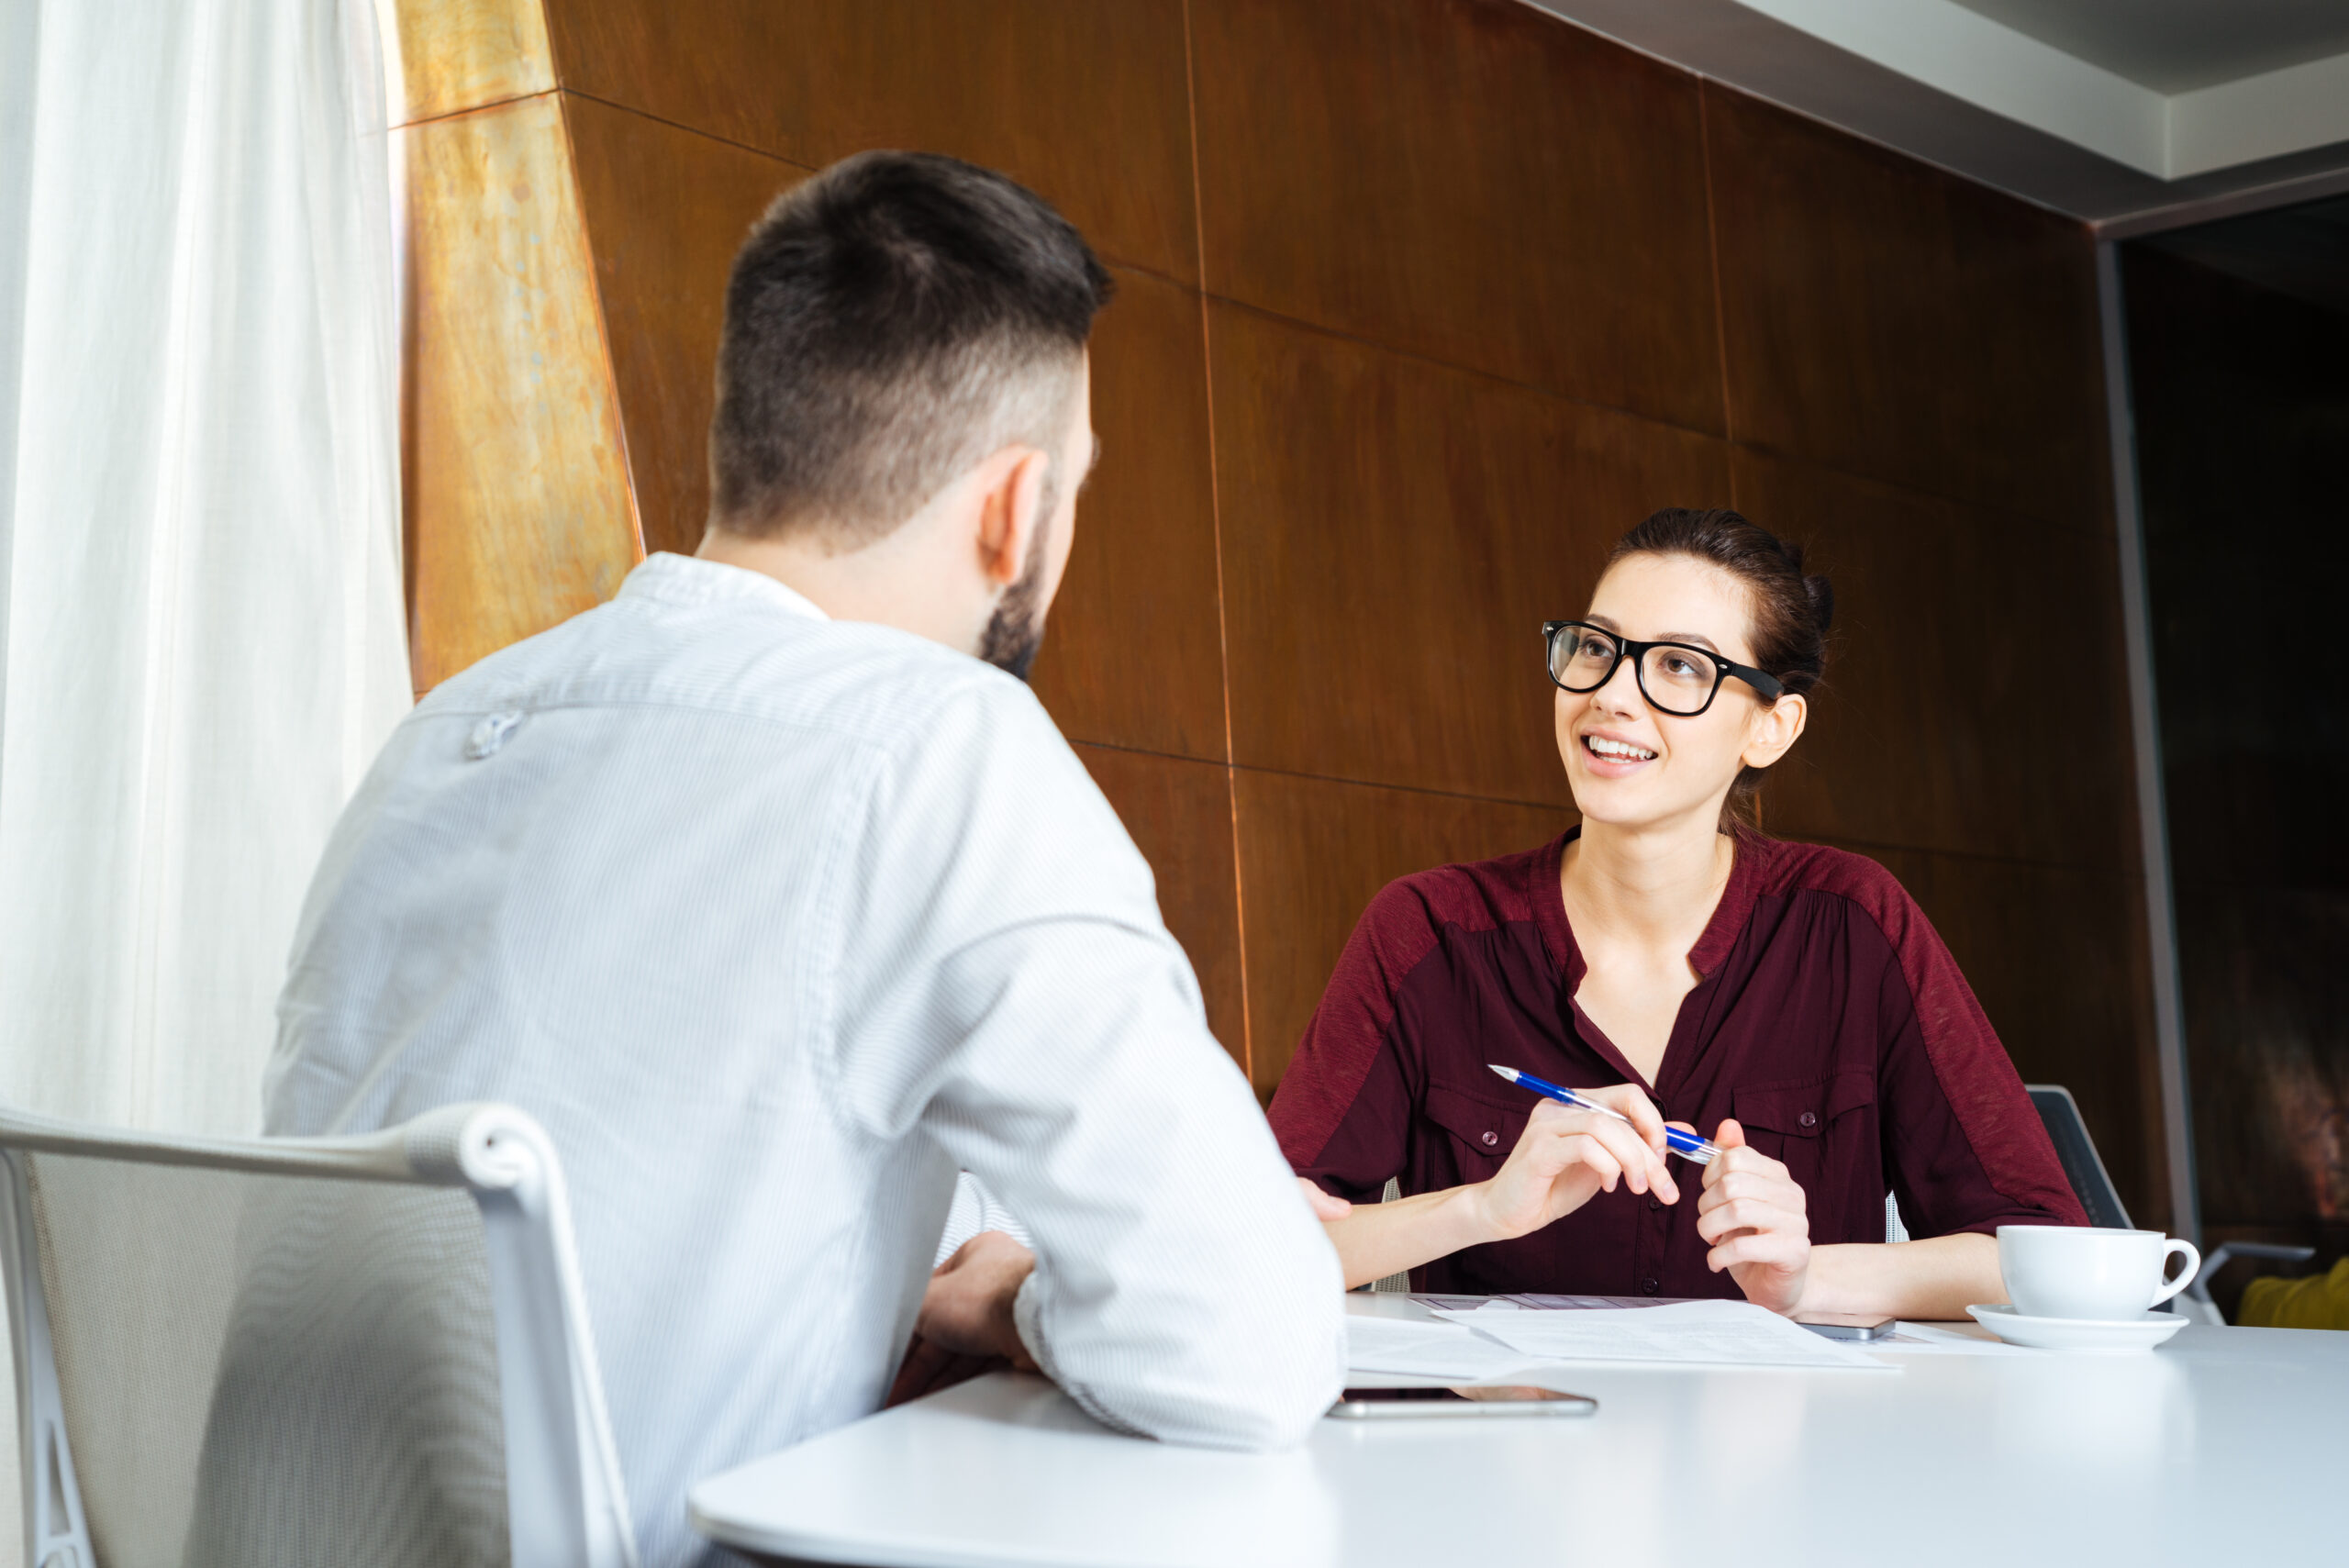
[2185, 1275]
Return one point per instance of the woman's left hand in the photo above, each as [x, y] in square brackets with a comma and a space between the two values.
[1753, 1214]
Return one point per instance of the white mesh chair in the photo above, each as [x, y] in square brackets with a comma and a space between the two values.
[281, 1353]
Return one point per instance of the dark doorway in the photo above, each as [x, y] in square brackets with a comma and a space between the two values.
[2239, 368]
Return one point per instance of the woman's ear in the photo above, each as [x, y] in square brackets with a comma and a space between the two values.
[1775, 729]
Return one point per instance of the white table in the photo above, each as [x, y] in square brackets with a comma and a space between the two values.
[2224, 1444]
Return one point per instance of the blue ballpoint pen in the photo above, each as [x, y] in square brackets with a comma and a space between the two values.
[1687, 1145]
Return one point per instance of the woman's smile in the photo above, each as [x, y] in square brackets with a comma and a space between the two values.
[1614, 756]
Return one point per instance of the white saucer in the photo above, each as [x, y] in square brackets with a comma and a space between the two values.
[2121, 1335]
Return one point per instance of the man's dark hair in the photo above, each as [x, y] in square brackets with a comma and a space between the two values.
[889, 323]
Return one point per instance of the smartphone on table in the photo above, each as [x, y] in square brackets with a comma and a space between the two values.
[1848, 1324]
[1393, 1404]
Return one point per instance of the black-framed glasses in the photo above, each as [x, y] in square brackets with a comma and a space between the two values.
[1675, 677]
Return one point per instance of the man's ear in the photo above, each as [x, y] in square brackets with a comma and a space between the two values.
[1010, 511]
[1775, 730]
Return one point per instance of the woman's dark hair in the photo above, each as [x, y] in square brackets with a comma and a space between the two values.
[1791, 612]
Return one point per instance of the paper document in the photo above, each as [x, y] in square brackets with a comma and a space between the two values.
[1418, 1348]
[1690, 1334]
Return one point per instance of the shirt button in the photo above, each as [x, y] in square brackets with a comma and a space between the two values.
[1654, 1201]
[1649, 1286]
[1807, 1119]
[489, 735]
[1491, 1139]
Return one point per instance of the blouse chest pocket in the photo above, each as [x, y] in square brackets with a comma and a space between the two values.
[1480, 1132]
[1812, 1127]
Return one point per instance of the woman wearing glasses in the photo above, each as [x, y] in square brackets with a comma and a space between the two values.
[1788, 1000]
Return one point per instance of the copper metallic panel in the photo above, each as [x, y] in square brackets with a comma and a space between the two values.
[1179, 813]
[1312, 852]
[2057, 960]
[1977, 694]
[1135, 652]
[464, 54]
[1892, 320]
[1394, 534]
[1470, 179]
[666, 210]
[516, 495]
[1085, 104]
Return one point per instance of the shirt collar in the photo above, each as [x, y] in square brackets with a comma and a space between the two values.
[688, 580]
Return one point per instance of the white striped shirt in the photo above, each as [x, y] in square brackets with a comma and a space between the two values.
[776, 922]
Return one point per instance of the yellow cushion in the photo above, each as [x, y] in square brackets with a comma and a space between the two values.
[2320, 1302]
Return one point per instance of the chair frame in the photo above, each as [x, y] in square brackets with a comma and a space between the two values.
[565, 1504]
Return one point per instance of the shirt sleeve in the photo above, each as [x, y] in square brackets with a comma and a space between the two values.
[1343, 1108]
[1964, 1148]
[1036, 1021]
[975, 1209]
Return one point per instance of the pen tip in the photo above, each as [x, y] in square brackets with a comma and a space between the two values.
[1508, 1073]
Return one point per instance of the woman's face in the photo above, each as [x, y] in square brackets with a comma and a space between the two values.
[1631, 766]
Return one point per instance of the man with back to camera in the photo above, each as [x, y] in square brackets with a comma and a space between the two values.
[770, 890]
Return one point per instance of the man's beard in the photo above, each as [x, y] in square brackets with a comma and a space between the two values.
[1016, 630]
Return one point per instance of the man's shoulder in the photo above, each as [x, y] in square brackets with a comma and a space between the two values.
[740, 661]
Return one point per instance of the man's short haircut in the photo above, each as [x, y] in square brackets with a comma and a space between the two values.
[888, 324]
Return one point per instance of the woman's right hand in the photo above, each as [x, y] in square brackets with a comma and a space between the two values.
[1566, 1156]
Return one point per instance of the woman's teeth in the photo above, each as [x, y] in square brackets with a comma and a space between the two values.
[1616, 751]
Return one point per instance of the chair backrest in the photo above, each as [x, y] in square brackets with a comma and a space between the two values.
[366, 1351]
[2077, 1151]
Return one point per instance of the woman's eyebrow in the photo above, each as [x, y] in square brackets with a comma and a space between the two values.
[1698, 637]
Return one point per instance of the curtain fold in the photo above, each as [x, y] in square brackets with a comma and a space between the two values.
[201, 625]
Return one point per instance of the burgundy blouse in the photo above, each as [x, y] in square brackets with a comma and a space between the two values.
[1828, 1019]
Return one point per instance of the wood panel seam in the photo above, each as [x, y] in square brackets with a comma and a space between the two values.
[474, 109]
[1713, 253]
[1215, 515]
[603, 328]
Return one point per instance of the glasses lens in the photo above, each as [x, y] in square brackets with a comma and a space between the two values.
[1580, 657]
[1678, 680]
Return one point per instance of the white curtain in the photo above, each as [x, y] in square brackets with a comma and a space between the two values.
[201, 643]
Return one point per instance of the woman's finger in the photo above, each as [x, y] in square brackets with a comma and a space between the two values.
[1633, 1102]
[1768, 1248]
[1747, 1214]
[1581, 1148]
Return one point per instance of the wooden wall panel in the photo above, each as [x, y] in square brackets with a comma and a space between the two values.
[1467, 179]
[1975, 699]
[2044, 950]
[465, 55]
[666, 210]
[516, 494]
[1394, 534]
[1313, 852]
[1179, 813]
[1134, 656]
[1087, 105]
[1892, 320]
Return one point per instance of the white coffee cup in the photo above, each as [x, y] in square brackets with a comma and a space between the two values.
[2070, 1270]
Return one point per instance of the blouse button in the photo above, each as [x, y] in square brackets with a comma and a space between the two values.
[1654, 1203]
[1491, 1139]
[1649, 1286]
[1807, 1119]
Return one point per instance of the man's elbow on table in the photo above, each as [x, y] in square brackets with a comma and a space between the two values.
[1241, 1366]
